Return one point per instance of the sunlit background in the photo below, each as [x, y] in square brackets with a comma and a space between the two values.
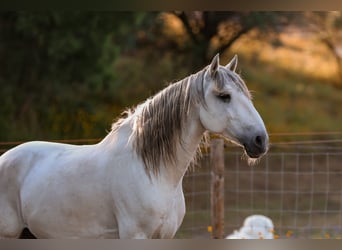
[66, 76]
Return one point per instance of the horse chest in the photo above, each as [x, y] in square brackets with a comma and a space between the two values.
[153, 213]
[170, 220]
[165, 224]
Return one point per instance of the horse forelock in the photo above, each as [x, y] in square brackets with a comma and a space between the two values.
[225, 76]
[157, 124]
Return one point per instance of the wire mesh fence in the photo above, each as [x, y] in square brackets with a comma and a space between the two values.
[298, 184]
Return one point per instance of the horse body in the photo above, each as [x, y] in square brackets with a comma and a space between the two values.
[77, 191]
[129, 185]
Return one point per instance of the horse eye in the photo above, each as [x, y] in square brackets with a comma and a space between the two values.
[224, 97]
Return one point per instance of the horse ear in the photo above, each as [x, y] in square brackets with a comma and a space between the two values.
[214, 65]
[232, 64]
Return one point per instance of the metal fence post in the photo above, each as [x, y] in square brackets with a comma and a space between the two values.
[217, 187]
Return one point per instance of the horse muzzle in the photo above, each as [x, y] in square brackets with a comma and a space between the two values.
[256, 146]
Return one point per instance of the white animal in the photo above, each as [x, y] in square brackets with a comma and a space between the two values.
[129, 185]
[254, 227]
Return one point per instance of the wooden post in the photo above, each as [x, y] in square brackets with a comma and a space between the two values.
[217, 188]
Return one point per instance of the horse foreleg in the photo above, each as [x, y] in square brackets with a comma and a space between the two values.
[131, 232]
[137, 236]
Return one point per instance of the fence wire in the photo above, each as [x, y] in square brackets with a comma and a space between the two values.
[298, 184]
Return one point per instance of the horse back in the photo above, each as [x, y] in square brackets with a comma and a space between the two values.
[16, 163]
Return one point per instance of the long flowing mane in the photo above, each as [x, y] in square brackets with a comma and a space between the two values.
[158, 122]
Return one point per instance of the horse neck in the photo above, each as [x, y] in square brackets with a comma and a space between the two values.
[168, 162]
[181, 126]
[171, 173]
[186, 151]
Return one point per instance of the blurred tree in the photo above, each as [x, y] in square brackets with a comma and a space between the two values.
[327, 25]
[58, 59]
[214, 32]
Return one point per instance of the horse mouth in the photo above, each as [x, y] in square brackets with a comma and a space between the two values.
[256, 146]
[255, 152]
[253, 155]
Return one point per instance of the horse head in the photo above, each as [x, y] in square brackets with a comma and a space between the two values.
[228, 109]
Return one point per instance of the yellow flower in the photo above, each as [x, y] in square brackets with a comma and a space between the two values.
[210, 229]
[289, 233]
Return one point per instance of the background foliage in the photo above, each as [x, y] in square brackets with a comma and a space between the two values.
[67, 75]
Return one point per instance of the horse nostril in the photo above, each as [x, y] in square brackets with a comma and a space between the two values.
[259, 141]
